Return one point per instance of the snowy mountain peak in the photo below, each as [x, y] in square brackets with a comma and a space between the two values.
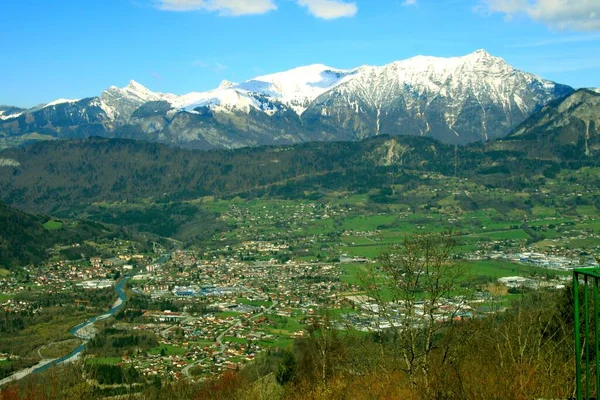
[7, 112]
[483, 57]
[136, 92]
[476, 96]
[137, 89]
[457, 100]
[120, 103]
[226, 84]
[480, 53]
[440, 65]
[61, 101]
[296, 87]
[306, 74]
[135, 85]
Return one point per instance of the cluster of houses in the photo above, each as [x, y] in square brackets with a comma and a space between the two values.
[372, 315]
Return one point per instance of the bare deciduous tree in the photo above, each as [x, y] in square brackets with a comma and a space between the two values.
[413, 293]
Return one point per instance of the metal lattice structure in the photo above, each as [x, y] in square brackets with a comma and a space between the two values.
[586, 280]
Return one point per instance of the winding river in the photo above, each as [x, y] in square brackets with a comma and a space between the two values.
[84, 331]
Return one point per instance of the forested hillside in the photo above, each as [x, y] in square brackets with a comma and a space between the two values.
[54, 177]
[25, 238]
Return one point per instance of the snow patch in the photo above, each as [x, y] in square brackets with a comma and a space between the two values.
[61, 101]
[9, 162]
[226, 84]
[298, 87]
[108, 110]
[226, 98]
[5, 117]
[295, 88]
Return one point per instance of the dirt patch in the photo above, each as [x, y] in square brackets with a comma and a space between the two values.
[497, 290]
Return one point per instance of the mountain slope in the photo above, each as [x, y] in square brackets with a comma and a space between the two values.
[8, 112]
[455, 100]
[58, 177]
[25, 240]
[21, 237]
[566, 128]
[55, 176]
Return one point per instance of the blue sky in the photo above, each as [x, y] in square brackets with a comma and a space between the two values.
[77, 48]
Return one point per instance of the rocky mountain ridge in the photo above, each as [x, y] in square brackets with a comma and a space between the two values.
[456, 100]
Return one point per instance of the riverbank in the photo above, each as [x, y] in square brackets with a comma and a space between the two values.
[85, 331]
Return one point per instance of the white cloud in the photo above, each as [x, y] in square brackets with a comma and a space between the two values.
[214, 66]
[329, 9]
[590, 37]
[325, 9]
[219, 67]
[409, 2]
[581, 15]
[222, 7]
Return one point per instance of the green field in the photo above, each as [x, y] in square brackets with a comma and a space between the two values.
[169, 350]
[584, 243]
[487, 268]
[284, 325]
[370, 251]
[516, 234]
[202, 343]
[498, 269]
[243, 300]
[53, 225]
[368, 223]
[595, 226]
[4, 297]
[232, 339]
[351, 273]
[587, 210]
[336, 312]
[15, 141]
[357, 240]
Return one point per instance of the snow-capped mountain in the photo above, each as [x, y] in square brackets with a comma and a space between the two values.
[569, 127]
[455, 100]
[61, 101]
[296, 89]
[8, 112]
[459, 99]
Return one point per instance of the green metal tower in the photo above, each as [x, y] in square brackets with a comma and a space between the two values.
[586, 279]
